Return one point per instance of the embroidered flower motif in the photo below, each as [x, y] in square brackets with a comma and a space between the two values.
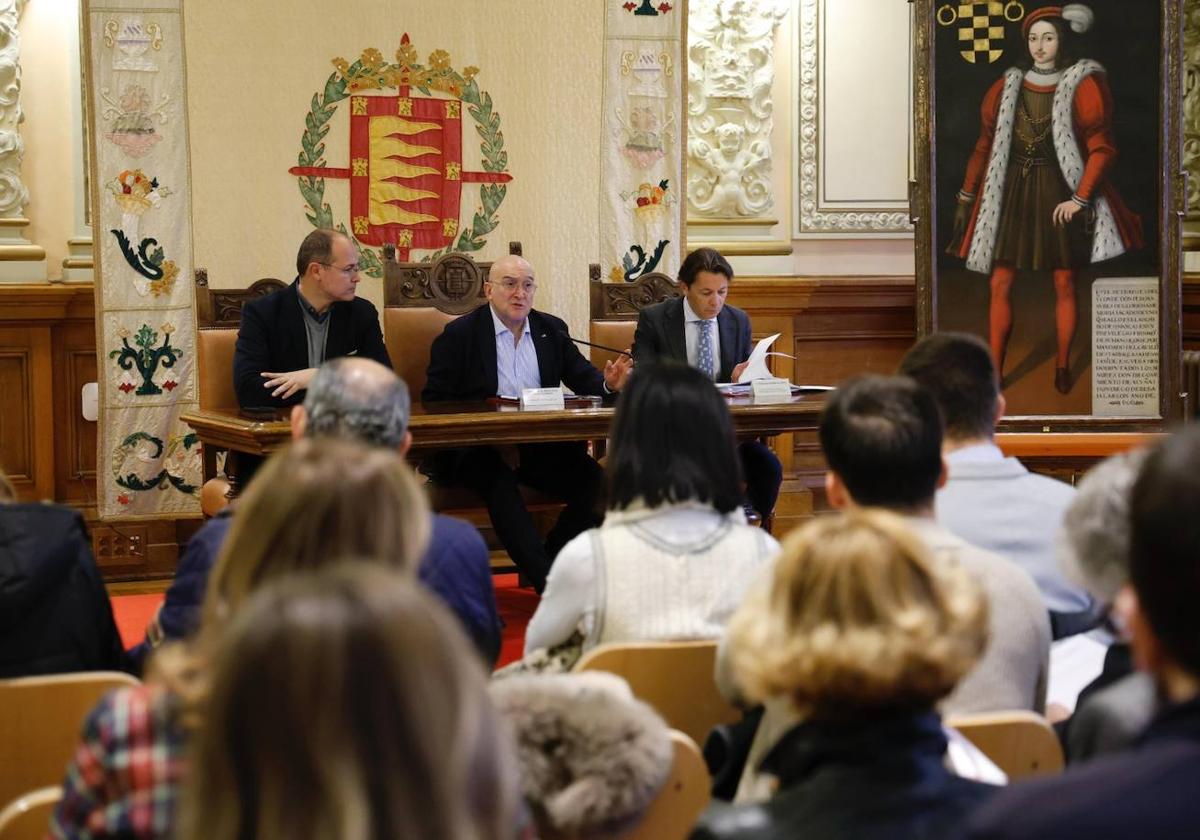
[123, 499]
[342, 65]
[664, 7]
[469, 72]
[629, 7]
[439, 60]
[125, 387]
[407, 54]
[372, 58]
[123, 332]
[170, 384]
[168, 328]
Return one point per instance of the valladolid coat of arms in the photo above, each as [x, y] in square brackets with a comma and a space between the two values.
[406, 167]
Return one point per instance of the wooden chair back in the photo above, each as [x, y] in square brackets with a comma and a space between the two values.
[218, 316]
[681, 800]
[676, 678]
[1020, 743]
[27, 817]
[419, 299]
[40, 721]
[615, 308]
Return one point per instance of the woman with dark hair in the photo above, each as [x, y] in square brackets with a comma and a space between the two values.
[674, 554]
[1036, 195]
[346, 703]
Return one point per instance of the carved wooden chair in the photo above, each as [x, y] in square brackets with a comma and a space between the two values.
[218, 316]
[615, 308]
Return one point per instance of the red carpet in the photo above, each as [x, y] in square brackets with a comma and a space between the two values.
[133, 613]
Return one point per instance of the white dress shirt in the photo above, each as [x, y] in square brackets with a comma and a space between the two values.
[516, 366]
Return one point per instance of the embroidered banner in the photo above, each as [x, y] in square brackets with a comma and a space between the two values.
[641, 211]
[148, 464]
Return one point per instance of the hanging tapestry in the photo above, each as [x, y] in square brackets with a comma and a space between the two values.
[148, 464]
[643, 132]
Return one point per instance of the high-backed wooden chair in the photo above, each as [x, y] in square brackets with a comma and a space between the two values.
[218, 316]
[615, 308]
[40, 720]
[676, 678]
[27, 817]
[419, 299]
[1020, 743]
[681, 800]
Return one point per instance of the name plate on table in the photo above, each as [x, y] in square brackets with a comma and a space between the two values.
[771, 390]
[542, 399]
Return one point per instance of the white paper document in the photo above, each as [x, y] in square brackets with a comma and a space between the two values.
[1074, 662]
[756, 365]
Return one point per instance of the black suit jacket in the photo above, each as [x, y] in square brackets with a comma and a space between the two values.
[462, 361]
[659, 336]
[272, 338]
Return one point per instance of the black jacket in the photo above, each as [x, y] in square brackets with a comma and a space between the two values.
[55, 615]
[272, 338]
[1149, 792]
[660, 335]
[873, 780]
[462, 360]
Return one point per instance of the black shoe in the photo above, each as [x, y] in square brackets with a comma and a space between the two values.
[1062, 380]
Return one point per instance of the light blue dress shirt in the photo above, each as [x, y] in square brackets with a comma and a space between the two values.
[516, 366]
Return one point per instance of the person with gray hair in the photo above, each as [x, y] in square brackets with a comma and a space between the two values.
[357, 399]
[1093, 549]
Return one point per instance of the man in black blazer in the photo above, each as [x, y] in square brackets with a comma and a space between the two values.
[1150, 790]
[285, 336]
[499, 349]
[674, 330]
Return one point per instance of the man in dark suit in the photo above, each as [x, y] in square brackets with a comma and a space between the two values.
[501, 348]
[1151, 790]
[699, 329]
[285, 336]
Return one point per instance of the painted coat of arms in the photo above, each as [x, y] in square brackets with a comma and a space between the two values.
[406, 167]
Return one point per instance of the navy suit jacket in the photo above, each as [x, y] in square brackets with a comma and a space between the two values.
[272, 338]
[455, 566]
[660, 336]
[462, 360]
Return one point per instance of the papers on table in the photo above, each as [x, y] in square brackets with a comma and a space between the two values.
[1074, 662]
[737, 389]
[756, 365]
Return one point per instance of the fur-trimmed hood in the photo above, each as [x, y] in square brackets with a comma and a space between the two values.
[592, 756]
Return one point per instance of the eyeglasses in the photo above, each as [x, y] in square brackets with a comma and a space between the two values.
[348, 271]
[509, 286]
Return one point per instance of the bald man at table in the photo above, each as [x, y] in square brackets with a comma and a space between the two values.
[502, 348]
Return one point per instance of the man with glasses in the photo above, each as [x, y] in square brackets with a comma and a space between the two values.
[285, 336]
[499, 349]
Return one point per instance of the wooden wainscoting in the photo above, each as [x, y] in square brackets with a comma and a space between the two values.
[47, 354]
[836, 327]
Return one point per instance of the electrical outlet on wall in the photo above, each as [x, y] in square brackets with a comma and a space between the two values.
[91, 401]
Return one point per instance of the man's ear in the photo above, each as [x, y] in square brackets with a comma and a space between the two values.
[299, 421]
[835, 491]
[1001, 407]
[944, 475]
[402, 449]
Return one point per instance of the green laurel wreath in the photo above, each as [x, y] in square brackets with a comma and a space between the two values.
[312, 152]
[132, 481]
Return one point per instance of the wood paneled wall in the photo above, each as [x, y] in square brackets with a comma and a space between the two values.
[47, 354]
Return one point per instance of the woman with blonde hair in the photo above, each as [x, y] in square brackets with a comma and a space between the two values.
[860, 631]
[346, 703]
[309, 506]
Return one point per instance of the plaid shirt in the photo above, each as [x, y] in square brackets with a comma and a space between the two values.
[124, 778]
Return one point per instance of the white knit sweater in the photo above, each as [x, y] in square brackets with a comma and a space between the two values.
[672, 572]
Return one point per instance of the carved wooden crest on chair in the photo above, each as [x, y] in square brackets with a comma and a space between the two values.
[623, 301]
[452, 283]
[222, 308]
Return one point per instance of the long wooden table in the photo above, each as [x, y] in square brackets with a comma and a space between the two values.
[446, 425]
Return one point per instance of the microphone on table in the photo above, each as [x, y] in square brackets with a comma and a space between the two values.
[597, 346]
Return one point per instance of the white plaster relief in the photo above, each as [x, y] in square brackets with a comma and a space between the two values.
[14, 195]
[730, 74]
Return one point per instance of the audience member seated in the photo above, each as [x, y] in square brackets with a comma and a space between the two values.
[55, 616]
[1151, 790]
[286, 335]
[345, 704]
[502, 348]
[989, 500]
[861, 631]
[882, 439]
[359, 400]
[592, 758]
[309, 506]
[674, 555]
[1114, 708]
[700, 330]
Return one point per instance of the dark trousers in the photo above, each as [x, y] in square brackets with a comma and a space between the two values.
[564, 470]
[763, 474]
